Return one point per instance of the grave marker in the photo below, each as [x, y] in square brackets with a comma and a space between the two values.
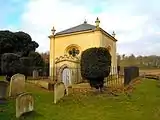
[24, 104]
[17, 85]
[3, 91]
[59, 91]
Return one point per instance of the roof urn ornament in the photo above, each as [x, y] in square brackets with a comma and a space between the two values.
[113, 34]
[85, 21]
[97, 22]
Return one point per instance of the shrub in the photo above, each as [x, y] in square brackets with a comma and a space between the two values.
[26, 65]
[95, 66]
[10, 64]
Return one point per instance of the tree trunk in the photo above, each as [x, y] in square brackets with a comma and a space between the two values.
[97, 83]
[101, 84]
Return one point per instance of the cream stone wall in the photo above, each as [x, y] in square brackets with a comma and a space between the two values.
[52, 57]
[83, 40]
[106, 41]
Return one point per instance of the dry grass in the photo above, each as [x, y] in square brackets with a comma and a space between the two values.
[151, 71]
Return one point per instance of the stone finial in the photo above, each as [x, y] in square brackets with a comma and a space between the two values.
[113, 34]
[85, 21]
[97, 22]
[53, 30]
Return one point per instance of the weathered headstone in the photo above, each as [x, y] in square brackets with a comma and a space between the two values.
[3, 90]
[144, 75]
[17, 85]
[35, 74]
[59, 91]
[24, 104]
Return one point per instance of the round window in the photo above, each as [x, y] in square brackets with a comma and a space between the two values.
[73, 52]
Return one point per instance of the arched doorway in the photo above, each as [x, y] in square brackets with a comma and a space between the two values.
[66, 77]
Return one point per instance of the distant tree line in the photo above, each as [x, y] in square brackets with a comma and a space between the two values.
[17, 53]
[151, 61]
[45, 57]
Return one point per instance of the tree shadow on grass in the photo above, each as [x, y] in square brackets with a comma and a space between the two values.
[30, 115]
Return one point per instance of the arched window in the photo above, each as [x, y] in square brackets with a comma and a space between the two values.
[73, 50]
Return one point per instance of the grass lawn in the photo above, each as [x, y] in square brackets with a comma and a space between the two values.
[1, 77]
[144, 103]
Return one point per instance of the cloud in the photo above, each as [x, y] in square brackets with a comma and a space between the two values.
[40, 16]
[131, 20]
[145, 46]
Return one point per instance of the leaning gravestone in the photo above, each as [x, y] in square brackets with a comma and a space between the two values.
[24, 104]
[59, 91]
[17, 85]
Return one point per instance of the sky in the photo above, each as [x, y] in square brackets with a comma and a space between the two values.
[135, 22]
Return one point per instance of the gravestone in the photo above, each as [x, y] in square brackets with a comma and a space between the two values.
[3, 91]
[59, 91]
[35, 74]
[24, 104]
[17, 85]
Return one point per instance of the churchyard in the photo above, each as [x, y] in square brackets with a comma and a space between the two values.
[79, 84]
[140, 101]
[124, 96]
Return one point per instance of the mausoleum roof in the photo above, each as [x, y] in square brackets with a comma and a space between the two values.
[78, 28]
[84, 27]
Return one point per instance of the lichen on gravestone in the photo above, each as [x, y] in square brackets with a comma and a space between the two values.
[24, 104]
[17, 85]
